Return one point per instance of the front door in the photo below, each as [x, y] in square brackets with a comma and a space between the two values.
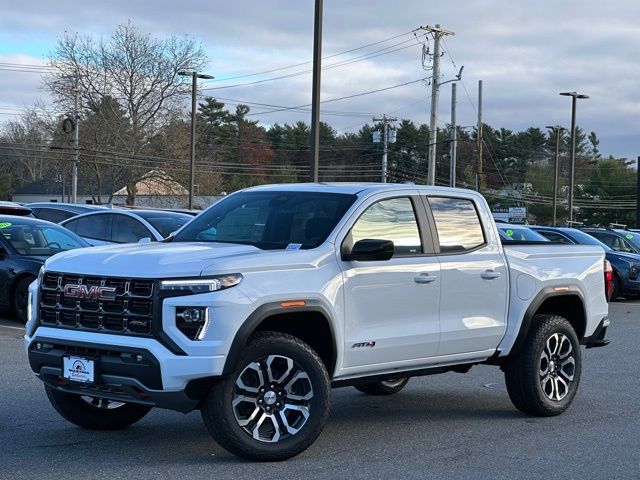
[391, 306]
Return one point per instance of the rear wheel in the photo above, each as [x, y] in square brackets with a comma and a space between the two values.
[383, 387]
[276, 402]
[616, 288]
[95, 413]
[20, 298]
[542, 379]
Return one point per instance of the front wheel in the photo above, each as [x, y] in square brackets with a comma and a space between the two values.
[95, 413]
[276, 402]
[383, 387]
[543, 377]
[20, 298]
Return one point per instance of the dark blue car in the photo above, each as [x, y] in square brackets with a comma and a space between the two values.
[25, 244]
[626, 266]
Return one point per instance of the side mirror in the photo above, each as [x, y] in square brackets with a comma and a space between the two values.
[369, 250]
[144, 240]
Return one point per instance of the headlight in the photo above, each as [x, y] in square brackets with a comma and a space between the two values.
[633, 271]
[201, 285]
[40, 275]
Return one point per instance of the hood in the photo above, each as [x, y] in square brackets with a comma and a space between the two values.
[629, 257]
[153, 260]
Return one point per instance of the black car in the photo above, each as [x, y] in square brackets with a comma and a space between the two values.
[626, 265]
[57, 212]
[25, 244]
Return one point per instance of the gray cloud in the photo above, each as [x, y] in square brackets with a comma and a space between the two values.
[526, 52]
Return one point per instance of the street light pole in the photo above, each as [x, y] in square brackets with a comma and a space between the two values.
[574, 97]
[192, 148]
[315, 92]
[557, 129]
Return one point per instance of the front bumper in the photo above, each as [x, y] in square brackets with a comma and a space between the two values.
[126, 369]
[598, 337]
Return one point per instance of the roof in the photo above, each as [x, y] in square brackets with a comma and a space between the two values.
[12, 219]
[355, 188]
[156, 182]
[71, 207]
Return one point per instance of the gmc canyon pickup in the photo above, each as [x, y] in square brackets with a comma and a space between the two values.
[257, 307]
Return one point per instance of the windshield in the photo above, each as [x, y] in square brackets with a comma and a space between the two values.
[36, 240]
[521, 233]
[269, 220]
[165, 222]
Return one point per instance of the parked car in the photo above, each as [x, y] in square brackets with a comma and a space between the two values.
[626, 265]
[58, 212]
[254, 310]
[13, 208]
[519, 232]
[25, 244]
[618, 240]
[193, 213]
[125, 226]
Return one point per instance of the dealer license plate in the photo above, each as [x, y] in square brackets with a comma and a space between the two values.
[78, 369]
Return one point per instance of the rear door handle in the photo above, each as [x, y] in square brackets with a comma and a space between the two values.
[490, 275]
[424, 278]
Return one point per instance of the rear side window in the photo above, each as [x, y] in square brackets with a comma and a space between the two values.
[457, 223]
[52, 214]
[394, 220]
[128, 230]
[92, 226]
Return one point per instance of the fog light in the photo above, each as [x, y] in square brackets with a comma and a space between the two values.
[193, 322]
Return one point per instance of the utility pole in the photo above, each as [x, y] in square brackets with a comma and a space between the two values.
[557, 129]
[574, 97]
[385, 134]
[192, 147]
[479, 179]
[74, 148]
[638, 193]
[438, 33]
[454, 137]
[315, 94]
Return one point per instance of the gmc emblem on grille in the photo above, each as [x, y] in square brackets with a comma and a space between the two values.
[91, 293]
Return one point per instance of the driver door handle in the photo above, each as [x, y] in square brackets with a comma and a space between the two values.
[490, 275]
[424, 278]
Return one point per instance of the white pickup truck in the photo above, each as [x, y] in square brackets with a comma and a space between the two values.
[256, 308]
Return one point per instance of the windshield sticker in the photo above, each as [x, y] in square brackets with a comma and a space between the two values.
[5, 224]
[628, 235]
[294, 246]
[509, 232]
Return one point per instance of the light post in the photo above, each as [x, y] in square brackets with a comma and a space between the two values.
[574, 97]
[557, 129]
[192, 148]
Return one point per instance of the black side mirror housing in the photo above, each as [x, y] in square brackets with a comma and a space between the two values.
[369, 250]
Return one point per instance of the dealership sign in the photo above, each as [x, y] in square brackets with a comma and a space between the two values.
[510, 214]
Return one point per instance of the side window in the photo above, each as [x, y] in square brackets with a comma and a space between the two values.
[126, 229]
[457, 223]
[554, 237]
[51, 214]
[392, 219]
[93, 226]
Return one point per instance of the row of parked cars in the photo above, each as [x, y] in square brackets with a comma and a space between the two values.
[621, 246]
[31, 233]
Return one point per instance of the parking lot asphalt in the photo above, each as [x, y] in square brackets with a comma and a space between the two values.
[451, 426]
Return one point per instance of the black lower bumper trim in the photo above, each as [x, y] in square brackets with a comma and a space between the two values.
[597, 339]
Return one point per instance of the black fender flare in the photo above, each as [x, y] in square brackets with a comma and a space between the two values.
[534, 306]
[263, 312]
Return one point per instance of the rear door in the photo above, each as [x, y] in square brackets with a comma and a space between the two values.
[474, 296]
[392, 306]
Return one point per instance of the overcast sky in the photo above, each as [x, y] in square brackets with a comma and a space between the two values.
[525, 52]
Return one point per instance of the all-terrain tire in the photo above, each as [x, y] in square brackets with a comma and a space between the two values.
[383, 387]
[81, 412]
[533, 387]
[224, 408]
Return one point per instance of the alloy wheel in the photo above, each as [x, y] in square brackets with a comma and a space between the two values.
[557, 367]
[271, 399]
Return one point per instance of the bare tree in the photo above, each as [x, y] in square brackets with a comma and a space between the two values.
[137, 71]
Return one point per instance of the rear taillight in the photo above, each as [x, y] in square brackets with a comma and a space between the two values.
[608, 280]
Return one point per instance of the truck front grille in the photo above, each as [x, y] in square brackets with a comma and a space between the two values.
[101, 304]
